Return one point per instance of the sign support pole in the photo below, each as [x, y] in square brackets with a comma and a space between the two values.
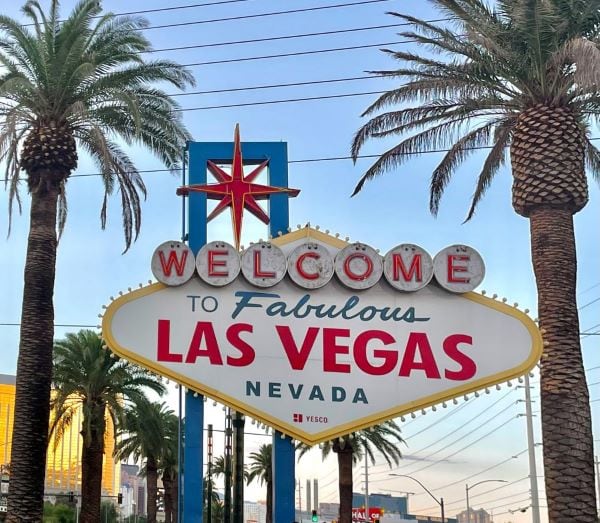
[194, 404]
[284, 476]
[283, 449]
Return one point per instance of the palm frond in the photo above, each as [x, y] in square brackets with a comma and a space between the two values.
[592, 159]
[494, 161]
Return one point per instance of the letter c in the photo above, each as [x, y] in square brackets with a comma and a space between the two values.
[300, 267]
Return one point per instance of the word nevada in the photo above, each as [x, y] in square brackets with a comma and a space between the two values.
[311, 265]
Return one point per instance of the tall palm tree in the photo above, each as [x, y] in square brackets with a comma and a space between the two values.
[350, 449]
[142, 436]
[261, 468]
[88, 377]
[69, 84]
[523, 76]
[168, 467]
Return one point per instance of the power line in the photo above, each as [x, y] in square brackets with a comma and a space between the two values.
[483, 472]
[271, 102]
[176, 8]
[295, 53]
[460, 438]
[443, 418]
[263, 15]
[274, 86]
[512, 418]
[274, 38]
[479, 494]
[311, 160]
[589, 303]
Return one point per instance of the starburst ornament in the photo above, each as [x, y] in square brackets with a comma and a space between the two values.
[236, 190]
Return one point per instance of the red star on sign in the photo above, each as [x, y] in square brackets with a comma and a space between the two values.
[236, 190]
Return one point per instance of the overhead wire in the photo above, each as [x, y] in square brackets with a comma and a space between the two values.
[304, 160]
[294, 53]
[512, 418]
[263, 15]
[460, 438]
[273, 38]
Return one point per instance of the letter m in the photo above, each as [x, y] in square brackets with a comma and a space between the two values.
[173, 261]
[413, 272]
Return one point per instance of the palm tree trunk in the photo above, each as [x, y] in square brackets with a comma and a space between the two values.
[566, 420]
[152, 487]
[34, 365]
[175, 497]
[91, 465]
[269, 502]
[345, 483]
[168, 486]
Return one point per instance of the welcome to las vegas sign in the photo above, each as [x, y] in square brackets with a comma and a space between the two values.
[318, 338]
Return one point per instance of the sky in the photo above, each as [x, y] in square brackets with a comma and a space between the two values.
[481, 439]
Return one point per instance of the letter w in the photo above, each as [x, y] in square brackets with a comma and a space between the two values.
[297, 356]
[167, 265]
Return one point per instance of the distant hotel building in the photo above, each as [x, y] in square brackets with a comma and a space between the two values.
[63, 465]
[477, 516]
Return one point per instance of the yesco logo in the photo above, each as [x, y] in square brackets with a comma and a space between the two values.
[302, 418]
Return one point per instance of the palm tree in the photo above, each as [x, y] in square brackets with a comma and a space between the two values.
[169, 468]
[88, 377]
[522, 76]
[142, 436]
[350, 450]
[261, 468]
[65, 84]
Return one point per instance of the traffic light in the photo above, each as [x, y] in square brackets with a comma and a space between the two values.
[314, 517]
[71, 497]
[120, 498]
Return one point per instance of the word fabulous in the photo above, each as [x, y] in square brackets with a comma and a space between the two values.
[406, 267]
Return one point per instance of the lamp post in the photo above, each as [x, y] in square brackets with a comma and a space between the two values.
[467, 488]
[440, 501]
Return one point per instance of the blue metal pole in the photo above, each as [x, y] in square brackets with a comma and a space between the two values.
[284, 473]
[194, 405]
[284, 479]
[180, 390]
[283, 449]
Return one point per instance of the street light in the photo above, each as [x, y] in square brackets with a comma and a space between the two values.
[467, 488]
[440, 501]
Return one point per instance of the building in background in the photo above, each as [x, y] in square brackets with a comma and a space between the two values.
[477, 516]
[133, 488]
[390, 504]
[255, 512]
[63, 464]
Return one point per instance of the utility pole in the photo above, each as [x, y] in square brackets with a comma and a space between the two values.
[300, 498]
[209, 486]
[597, 463]
[238, 476]
[316, 494]
[227, 500]
[308, 507]
[468, 506]
[367, 485]
[535, 502]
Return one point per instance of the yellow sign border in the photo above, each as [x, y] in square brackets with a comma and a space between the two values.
[339, 430]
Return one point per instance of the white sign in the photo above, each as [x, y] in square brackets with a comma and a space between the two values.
[320, 363]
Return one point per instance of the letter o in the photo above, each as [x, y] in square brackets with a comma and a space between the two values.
[204, 305]
[358, 266]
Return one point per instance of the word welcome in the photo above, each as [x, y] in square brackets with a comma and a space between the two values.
[406, 267]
